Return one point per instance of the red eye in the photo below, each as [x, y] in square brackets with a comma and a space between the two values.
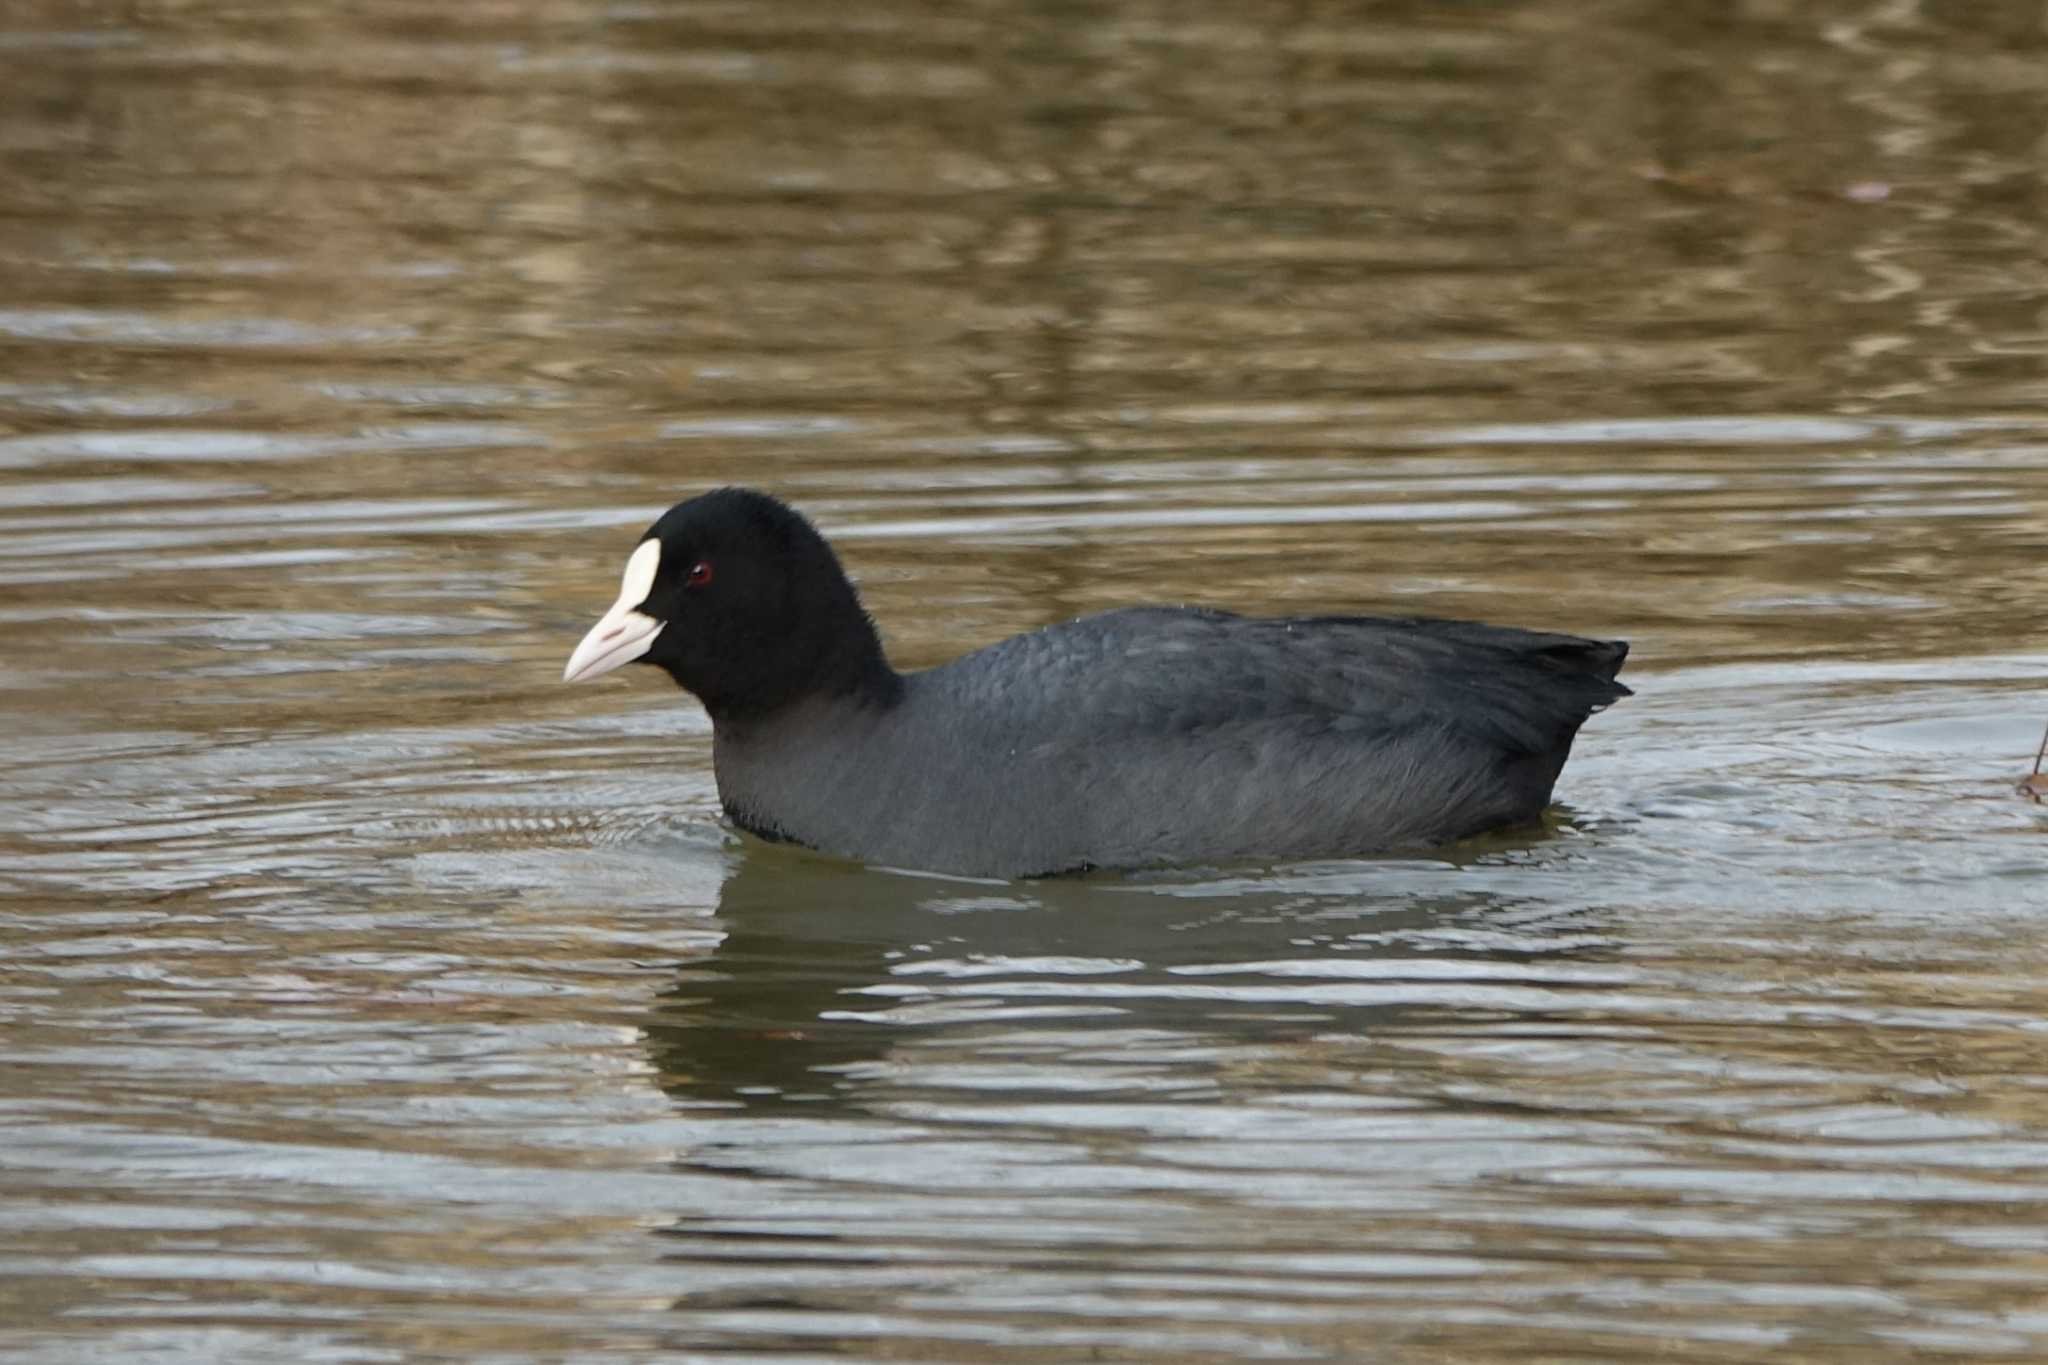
[699, 575]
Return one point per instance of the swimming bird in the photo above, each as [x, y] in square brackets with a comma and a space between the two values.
[1138, 737]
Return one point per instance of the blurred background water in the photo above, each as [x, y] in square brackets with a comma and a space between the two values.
[371, 997]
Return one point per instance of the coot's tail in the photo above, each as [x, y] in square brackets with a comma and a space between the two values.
[1602, 658]
[1581, 671]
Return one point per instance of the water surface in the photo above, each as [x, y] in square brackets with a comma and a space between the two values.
[370, 996]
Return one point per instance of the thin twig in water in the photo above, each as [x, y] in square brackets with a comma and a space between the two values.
[2035, 784]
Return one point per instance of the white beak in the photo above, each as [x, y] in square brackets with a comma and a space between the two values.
[624, 633]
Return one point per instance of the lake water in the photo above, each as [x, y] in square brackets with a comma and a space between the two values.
[370, 996]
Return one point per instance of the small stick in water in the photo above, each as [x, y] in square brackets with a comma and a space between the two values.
[2035, 784]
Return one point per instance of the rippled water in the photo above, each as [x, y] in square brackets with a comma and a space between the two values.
[370, 996]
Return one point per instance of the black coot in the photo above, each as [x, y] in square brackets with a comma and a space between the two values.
[1143, 736]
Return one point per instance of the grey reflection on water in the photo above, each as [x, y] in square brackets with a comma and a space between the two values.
[823, 966]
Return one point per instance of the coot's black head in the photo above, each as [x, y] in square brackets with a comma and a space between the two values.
[745, 605]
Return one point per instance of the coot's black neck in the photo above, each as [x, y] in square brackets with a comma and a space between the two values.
[843, 663]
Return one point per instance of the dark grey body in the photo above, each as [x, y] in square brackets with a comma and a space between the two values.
[1162, 735]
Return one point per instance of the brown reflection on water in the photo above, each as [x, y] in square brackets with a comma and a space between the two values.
[367, 991]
